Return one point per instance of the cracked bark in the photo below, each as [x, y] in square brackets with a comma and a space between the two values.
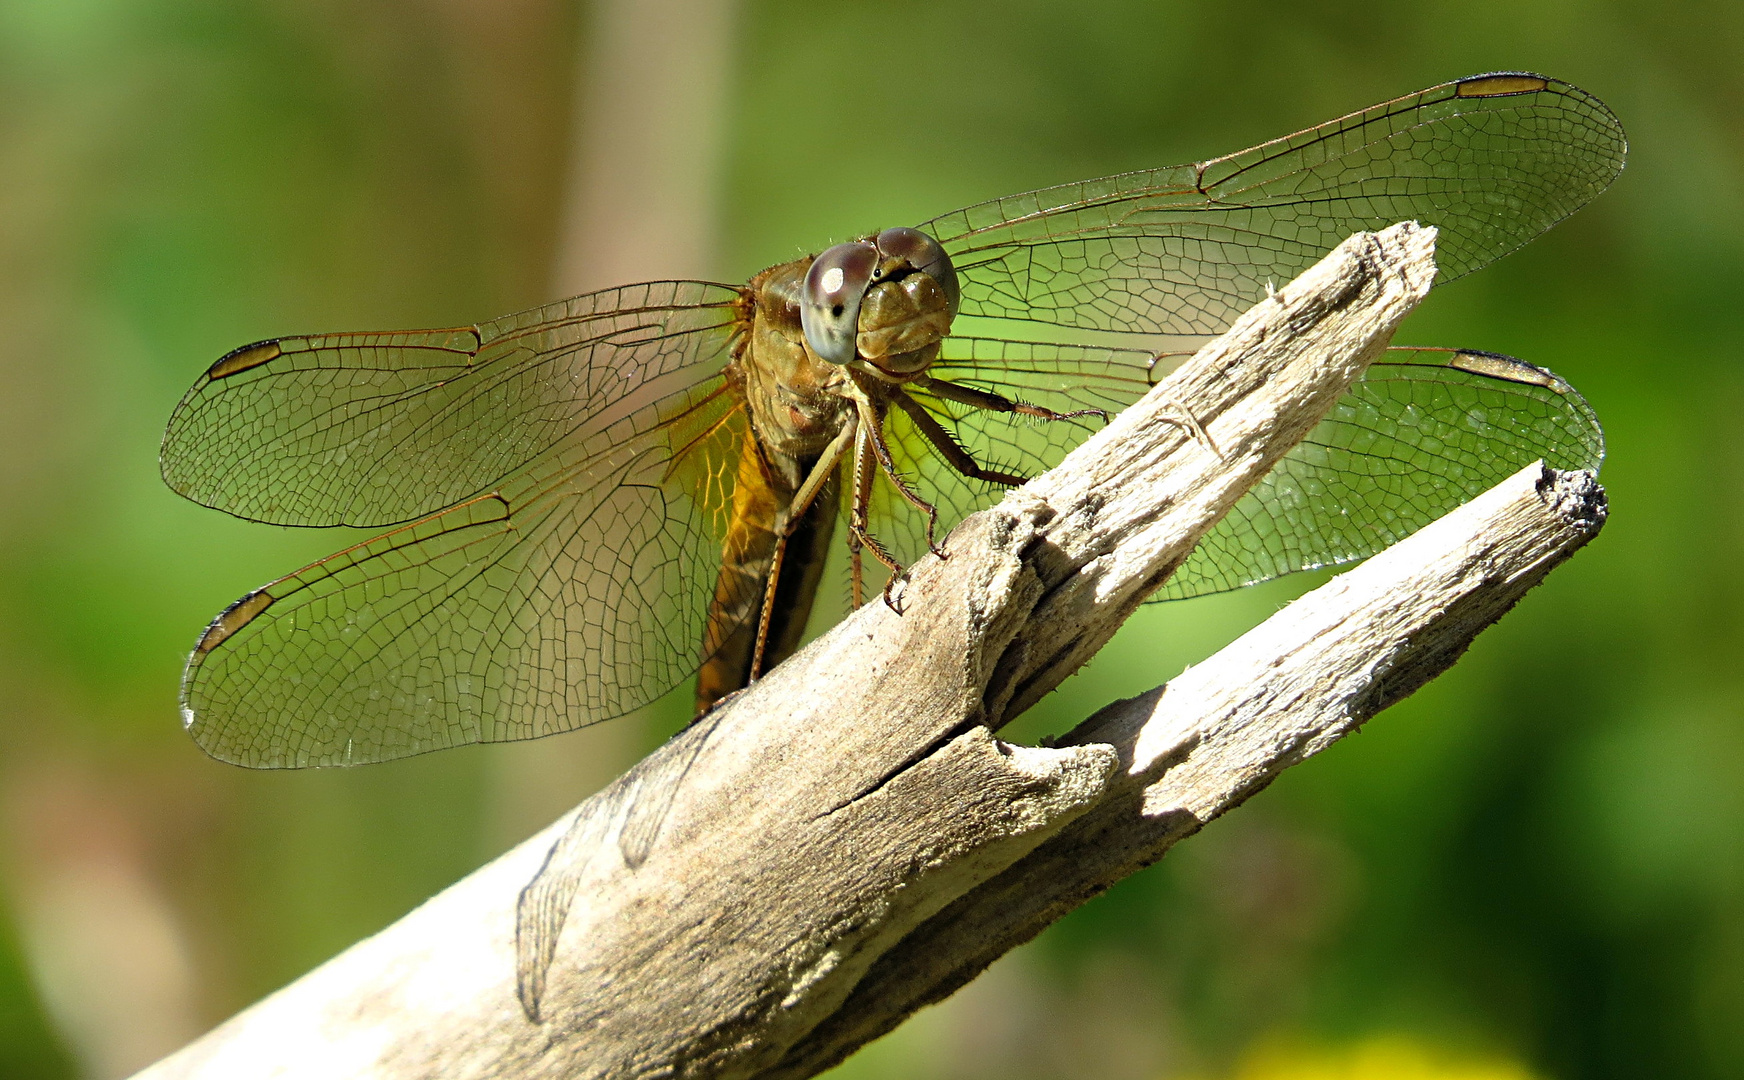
[852, 842]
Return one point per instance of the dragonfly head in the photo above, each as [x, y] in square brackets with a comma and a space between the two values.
[886, 300]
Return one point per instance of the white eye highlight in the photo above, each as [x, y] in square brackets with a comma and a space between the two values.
[832, 280]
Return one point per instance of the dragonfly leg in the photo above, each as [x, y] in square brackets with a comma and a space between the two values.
[985, 399]
[874, 429]
[948, 448]
[982, 399]
[859, 537]
[791, 519]
[856, 571]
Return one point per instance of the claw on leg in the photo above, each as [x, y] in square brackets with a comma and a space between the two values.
[873, 427]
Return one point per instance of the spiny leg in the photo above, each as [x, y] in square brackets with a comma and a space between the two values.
[983, 399]
[991, 402]
[865, 470]
[948, 447]
[870, 448]
[856, 572]
[858, 502]
[794, 515]
[873, 426]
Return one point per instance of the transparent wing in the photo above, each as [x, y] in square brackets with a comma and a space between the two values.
[1420, 434]
[575, 589]
[1423, 431]
[379, 429]
[1492, 161]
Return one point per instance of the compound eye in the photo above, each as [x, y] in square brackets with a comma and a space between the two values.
[829, 309]
[921, 252]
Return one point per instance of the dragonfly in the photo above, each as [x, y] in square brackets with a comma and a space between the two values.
[583, 505]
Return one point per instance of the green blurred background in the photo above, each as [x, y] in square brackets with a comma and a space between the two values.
[1533, 868]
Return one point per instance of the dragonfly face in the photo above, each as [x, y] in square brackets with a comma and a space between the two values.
[582, 505]
[880, 306]
[885, 302]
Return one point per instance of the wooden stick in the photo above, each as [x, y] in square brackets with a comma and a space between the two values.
[1218, 733]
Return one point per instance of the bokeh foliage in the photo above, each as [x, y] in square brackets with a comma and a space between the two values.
[1539, 859]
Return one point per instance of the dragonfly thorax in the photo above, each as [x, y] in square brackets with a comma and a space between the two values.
[796, 401]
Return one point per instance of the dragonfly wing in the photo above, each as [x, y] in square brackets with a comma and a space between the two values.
[380, 429]
[1424, 431]
[574, 591]
[1492, 161]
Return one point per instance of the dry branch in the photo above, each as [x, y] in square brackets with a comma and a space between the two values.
[1219, 732]
[852, 842]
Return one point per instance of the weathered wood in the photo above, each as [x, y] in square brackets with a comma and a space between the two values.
[1220, 732]
[852, 842]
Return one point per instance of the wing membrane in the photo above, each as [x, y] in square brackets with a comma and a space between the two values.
[575, 590]
[1416, 437]
[1492, 161]
[373, 430]
[1422, 431]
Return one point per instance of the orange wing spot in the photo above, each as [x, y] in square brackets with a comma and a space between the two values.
[1500, 85]
[232, 619]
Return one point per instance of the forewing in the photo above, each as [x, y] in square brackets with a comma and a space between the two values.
[379, 429]
[1491, 161]
[574, 591]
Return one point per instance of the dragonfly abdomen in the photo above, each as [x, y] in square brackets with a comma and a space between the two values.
[761, 495]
